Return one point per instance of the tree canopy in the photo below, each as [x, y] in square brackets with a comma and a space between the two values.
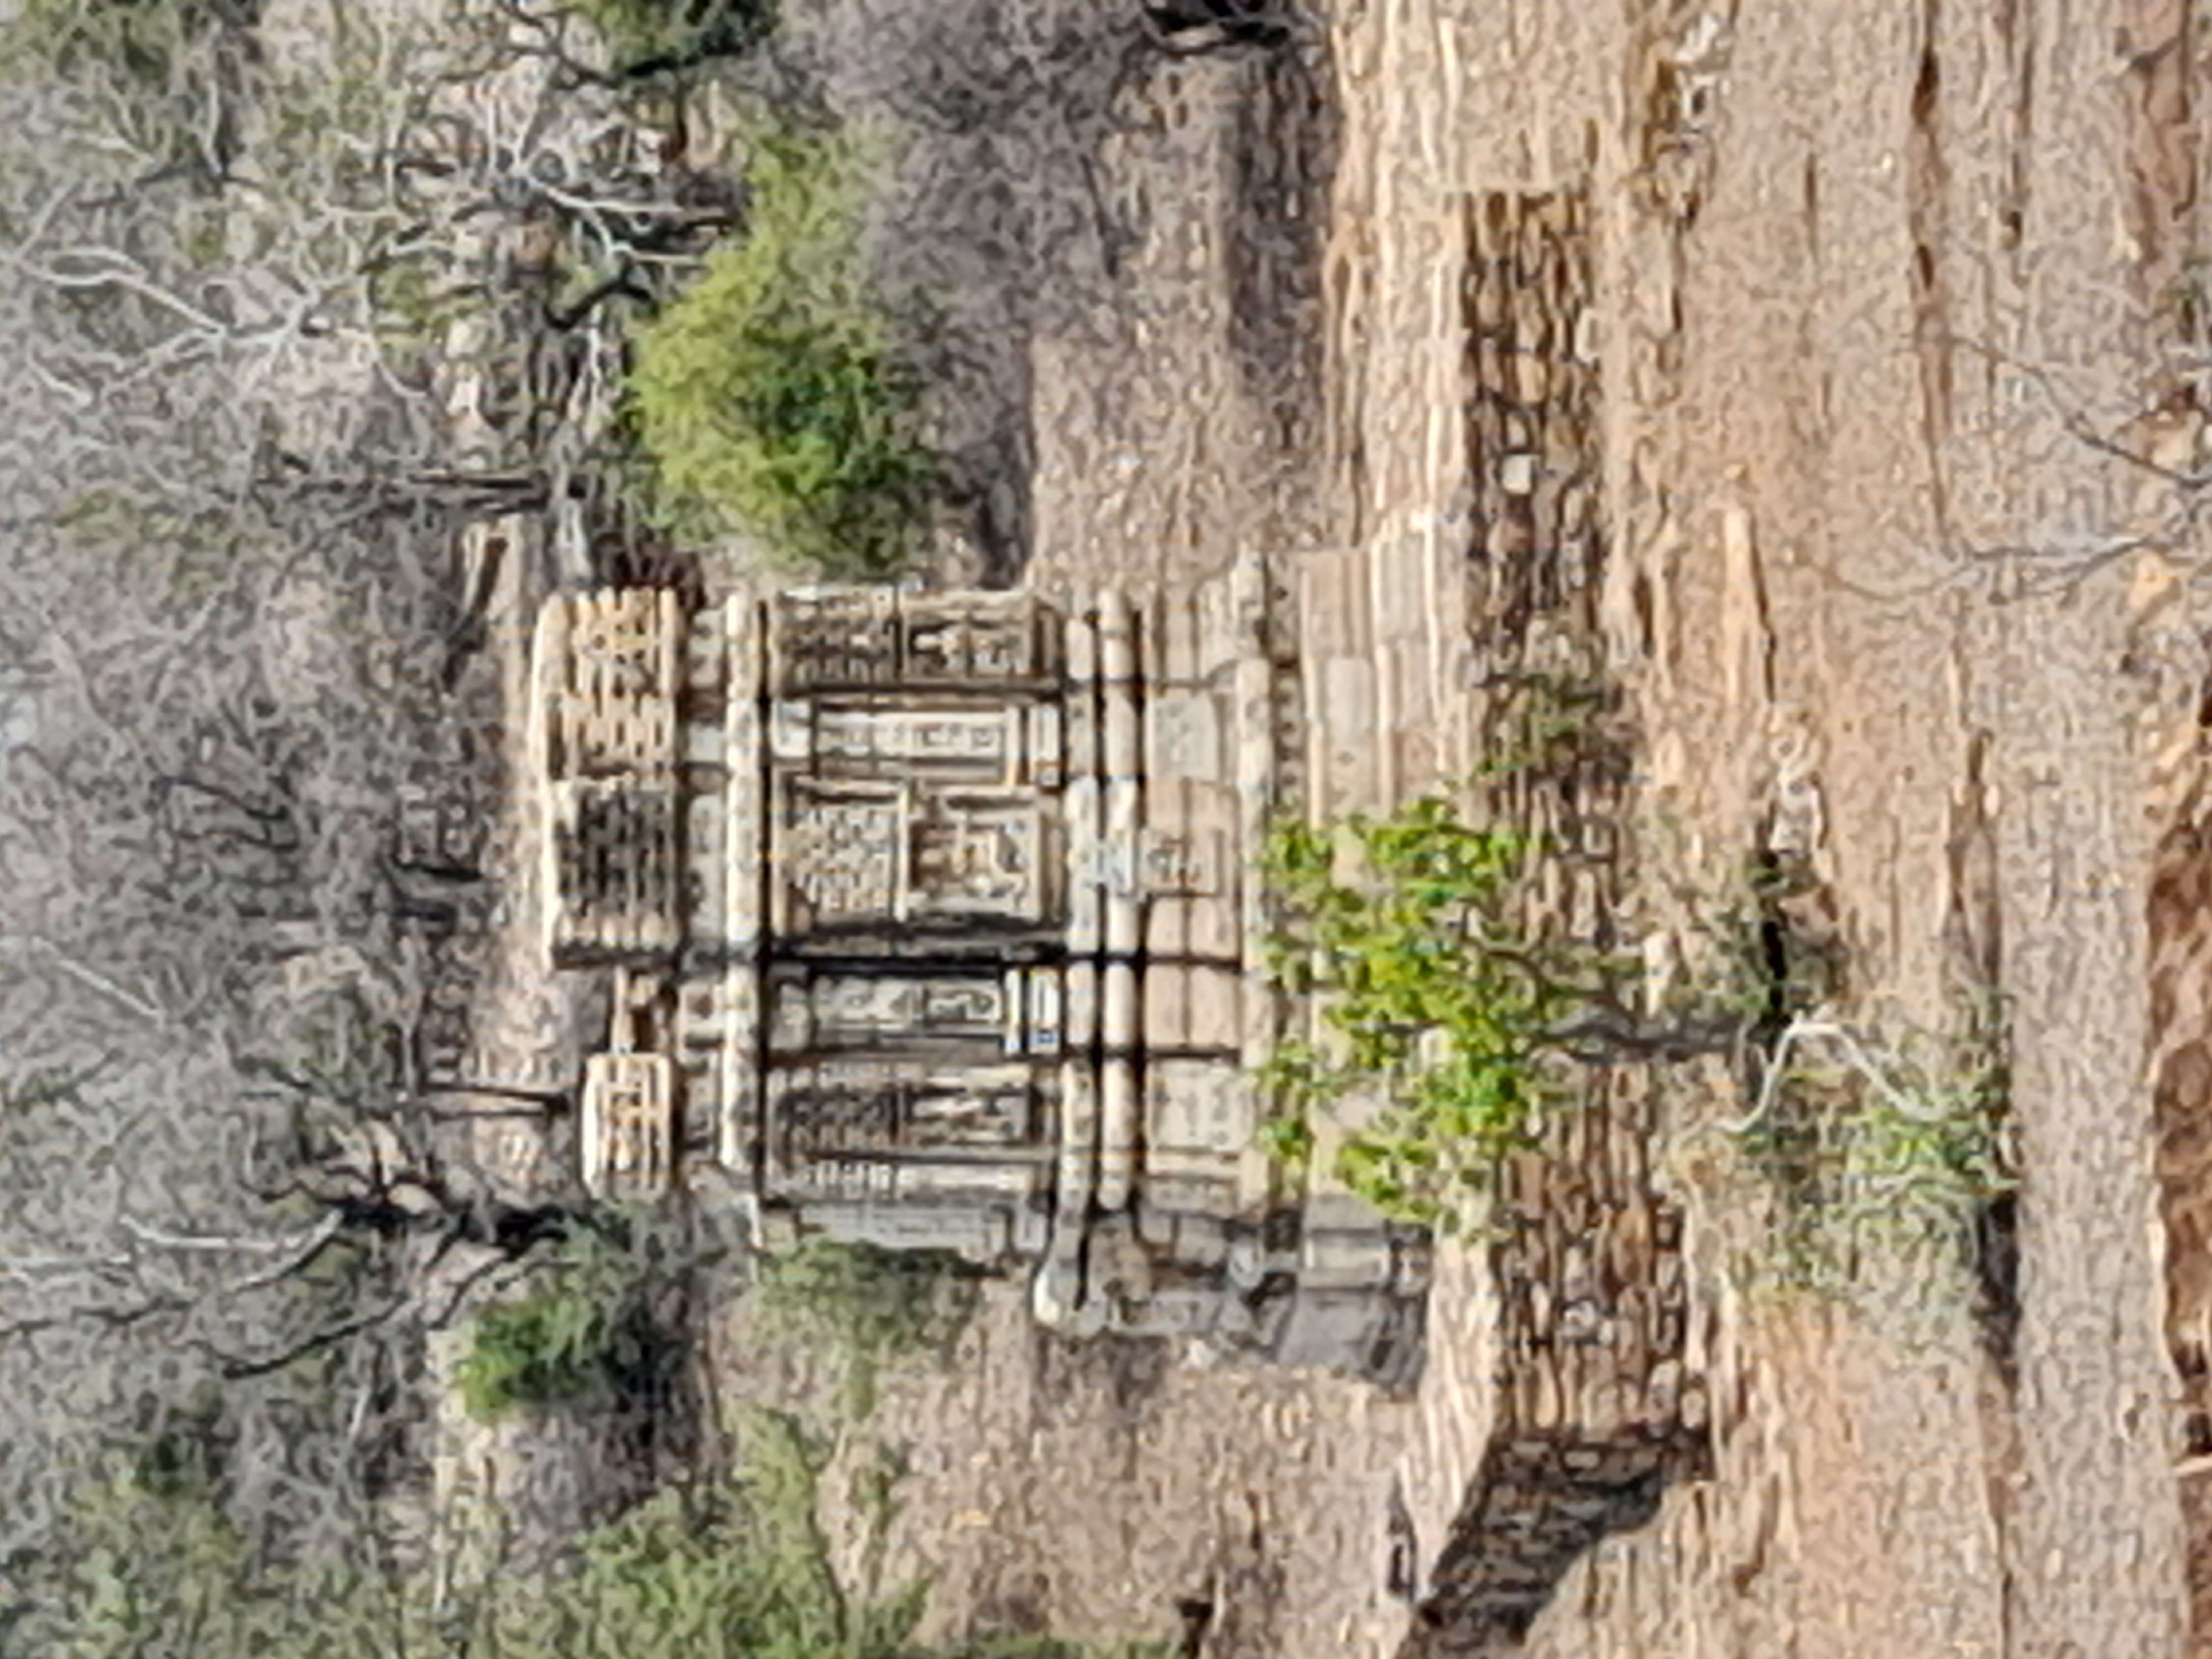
[769, 395]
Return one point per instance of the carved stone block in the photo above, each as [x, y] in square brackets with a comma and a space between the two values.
[629, 1122]
[1194, 1106]
[1182, 736]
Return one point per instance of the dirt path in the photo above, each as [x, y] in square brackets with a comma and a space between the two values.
[1863, 273]
[1850, 221]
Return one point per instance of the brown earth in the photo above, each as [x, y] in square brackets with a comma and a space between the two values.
[1878, 287]
[1884, 297]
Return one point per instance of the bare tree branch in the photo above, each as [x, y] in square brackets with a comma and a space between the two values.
[85, 975]
[233, 1243]
[238, 1368]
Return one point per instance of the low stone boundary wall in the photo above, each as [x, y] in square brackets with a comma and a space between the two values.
[1596, 1408]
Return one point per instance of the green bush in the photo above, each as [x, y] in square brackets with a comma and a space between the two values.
[768, 398]
[549, 1347]
[644, 36]
[594, 1326]
[1882, 1154]
[1401, 928]
[868, 1304]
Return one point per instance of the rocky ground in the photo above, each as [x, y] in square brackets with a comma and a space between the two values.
[1878, 289]
[1883, 299]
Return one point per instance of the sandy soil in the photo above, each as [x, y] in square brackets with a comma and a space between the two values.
[1881, 287]
[1878, 282]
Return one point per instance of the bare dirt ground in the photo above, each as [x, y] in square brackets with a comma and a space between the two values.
[1877, 284]
[1870, 274]
[1882, 287]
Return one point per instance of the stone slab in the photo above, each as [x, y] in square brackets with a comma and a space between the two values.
[1183, 736]
[1167, 1005]
[1214, 930]
[1196, 1106]
[1405, 687]
[1215, 1009]
[1334, 602]
[1167, 929]
[1343, 765]
[1196, 1194]
[1170, 644]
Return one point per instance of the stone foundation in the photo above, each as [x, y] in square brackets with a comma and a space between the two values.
[935, 924]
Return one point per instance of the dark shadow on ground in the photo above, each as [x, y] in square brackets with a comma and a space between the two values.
[1283, 152]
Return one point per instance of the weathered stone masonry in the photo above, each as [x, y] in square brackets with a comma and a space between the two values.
[1594, 1404]
[932, 921]
[1593, 1408]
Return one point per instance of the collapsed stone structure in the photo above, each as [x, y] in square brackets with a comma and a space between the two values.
[1595, 1407]
[1597, 1401]
[932, 921]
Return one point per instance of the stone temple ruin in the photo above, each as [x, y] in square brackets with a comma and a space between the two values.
[932, 922]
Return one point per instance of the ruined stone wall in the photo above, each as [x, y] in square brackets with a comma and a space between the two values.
[1596, 1409]
[609, 667]
[1533, 461]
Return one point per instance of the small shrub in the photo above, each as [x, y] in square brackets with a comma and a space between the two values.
[869, 1304]
[183, 1445]
[593, 1326]
[1882, 1155]
[549, 1347]
[644, 36]
[768, 398]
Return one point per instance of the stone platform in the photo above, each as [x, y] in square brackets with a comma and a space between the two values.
[932, 921]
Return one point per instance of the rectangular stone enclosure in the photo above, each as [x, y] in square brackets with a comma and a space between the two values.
[933, 921]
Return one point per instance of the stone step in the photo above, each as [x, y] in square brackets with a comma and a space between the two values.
[1344, 759]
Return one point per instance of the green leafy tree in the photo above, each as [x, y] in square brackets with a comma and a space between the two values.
[769, 397]
[1436, 996]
